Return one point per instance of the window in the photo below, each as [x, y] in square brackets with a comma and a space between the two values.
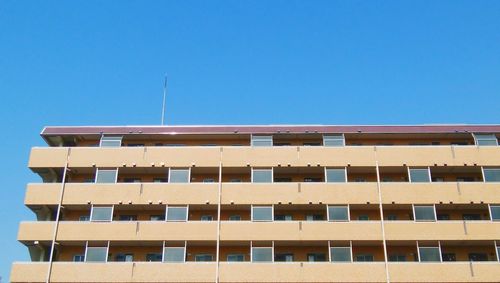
[471, 216]
[495, 212]
[235, 257]
[363, 218]
[419, 175]
[127, 218]
[203, 257]
[174, 254]
[234, 218]
[312, 144]
[478, 257]
[313, 257]
[262, 175]
[485, 139]
[135, 144]
[443, 217]
[153, 257]
[311, 179]
[177, 213]
[160, 180]
[104, 176]
[392, 217]
[397, 257]
[283, 257]
[157, 218]
[449, 257]
[84, 218]
[314, 217]
[282, 217]
[491, 175]
[340, 254]
[262, 254]
[338, 213]
[179, 176]
[364, 257]
[107, 141]
[207, 218]
[208, 180]
[424, 213]
[336, 175]
[429, 254]
[235, 180]
[124, 257]
[333, 140]
[101, 213]
[262, 213]
[79, 258]
[132, 180]
[96, 254]
[282, 180]
[262, 140]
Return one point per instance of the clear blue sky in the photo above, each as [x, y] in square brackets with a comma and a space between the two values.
[236, 62]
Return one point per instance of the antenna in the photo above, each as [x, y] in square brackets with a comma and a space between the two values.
[164, 98]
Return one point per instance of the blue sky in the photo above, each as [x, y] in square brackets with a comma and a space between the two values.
[236, 62]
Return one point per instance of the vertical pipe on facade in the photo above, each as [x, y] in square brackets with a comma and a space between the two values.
[384, 244]
[219, 198]
[56, 226]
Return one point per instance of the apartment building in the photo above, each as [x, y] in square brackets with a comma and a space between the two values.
[264, 204]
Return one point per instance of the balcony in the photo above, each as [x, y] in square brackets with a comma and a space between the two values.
[81, 193]
[299, 193]
[432, 193]
[299, 230]
[118, 231]
[442, 230]
[445, 272]
[114, 272]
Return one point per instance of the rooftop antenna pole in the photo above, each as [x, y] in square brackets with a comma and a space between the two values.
[164, 98]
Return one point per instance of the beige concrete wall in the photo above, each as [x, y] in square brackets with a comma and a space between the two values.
[441, 272]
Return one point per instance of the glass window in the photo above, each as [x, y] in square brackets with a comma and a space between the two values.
[314, 217]
[262, 213]
[124, 257]
[262, 140]
[282, 217]
[234, 218]
[96, 254]
[79, 258]
[106, 176]
[316, 257]
[179, 176]
[127, 218]
[177, 213]
[340, 254]
[207, 218]
[285, 257]
[363, 218]
[235, 257]
[153, 257]
[262, 175]
[498, 253]
[429, 254]
[333, 140]
[172, 254]
[338, 213]
[495, 212]
[262, 254]
[424, 213]
[111, 141]
[335, 175]
[486, 139]
[364, 257]
[101, 213]
[419, 175]
[84, 218]
[397, 257]
[491, 175]
[157, 218]
[203, 257]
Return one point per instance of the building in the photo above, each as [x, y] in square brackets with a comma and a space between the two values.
[264, 204]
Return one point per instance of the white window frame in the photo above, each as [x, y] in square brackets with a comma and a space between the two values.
[343, 247]
[177, 206]
[338, 205]
[163, 254]
[120, 138]
[496, 251]
[174, 169]
[475, 135]
[482, 171]
[87, 247]
[329, 168]
[262, 169]
[97, 174]
[428, 173]
[262, 206]
[439, 251]
[333, 135]
[252, 140]
[272, 253]
[426, 205]
[106, 206]
[491, 214]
